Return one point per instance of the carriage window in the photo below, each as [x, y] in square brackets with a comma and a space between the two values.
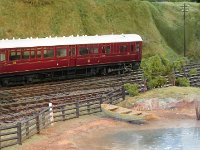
[137, 47]
[15, 55]
[32, 54]
[123, 49]
[61, 52]
[72, 52]
[12, 56]
[83, 51]
[26, 55]
[48, 53]
[93, 50]
[96, 51]
[2, 57]
[39, 54]
[106, 49]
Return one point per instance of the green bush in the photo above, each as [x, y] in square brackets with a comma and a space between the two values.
[132, 89]
[151, 84]
[157, 82]
[182, 81]
[193, 71]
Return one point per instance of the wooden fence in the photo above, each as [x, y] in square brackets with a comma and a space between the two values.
[197, 109]
[19, 132]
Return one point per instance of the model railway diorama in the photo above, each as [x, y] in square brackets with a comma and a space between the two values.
[25, 61]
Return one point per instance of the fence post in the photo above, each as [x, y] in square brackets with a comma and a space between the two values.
[0, 138]
[88, 107]
[38, 123]
[123, 93]
[197, 109]
[100, 102]
[111, 99]
[63, 113]
[27, 128]
[19, 133]
[51, 113]
[77, 108]
[43, 119]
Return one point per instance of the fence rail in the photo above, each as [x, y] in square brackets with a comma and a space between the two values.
[19, 132]
[10, 135]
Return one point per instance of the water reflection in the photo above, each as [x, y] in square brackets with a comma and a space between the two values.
[160, 139]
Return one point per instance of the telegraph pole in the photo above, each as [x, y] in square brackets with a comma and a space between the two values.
[185, 8]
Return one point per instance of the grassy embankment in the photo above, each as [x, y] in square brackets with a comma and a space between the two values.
[186, 93]
[160, 24]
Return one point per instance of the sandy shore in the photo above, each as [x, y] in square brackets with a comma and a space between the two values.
[73, 134]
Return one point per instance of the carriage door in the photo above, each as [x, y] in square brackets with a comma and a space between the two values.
[62, 58]
[72, 56]
[2, 59]
[138, 50]
[106, 53]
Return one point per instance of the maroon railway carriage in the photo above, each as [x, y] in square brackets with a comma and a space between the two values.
[27, 60]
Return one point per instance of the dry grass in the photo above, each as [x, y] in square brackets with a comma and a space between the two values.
[186, 93]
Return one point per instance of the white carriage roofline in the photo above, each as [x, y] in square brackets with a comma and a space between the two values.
[71, 40]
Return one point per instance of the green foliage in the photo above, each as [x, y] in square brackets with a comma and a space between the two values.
[172, 29]
[158, 66]
[38, 2]
[159, 24]
[172, 0]
[156, 82]
[152, 66]
[179, 63]
[193, 71]
[132, 89]
[182, 81]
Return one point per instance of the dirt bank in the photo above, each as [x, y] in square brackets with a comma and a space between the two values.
[174, 107]
[70, 135]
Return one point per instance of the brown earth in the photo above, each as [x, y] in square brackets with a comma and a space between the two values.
[64, 135]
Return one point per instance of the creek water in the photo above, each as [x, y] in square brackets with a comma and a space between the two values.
[153, 139]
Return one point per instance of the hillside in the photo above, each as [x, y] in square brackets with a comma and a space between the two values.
[160, 24]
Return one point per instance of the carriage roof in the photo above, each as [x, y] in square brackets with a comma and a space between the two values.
[71, 40]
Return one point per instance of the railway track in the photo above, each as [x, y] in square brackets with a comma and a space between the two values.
[22, 101]
[25, 107]
[70, 86]
[195, 78]
[19, 102]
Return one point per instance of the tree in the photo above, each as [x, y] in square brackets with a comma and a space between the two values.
[156, 67]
